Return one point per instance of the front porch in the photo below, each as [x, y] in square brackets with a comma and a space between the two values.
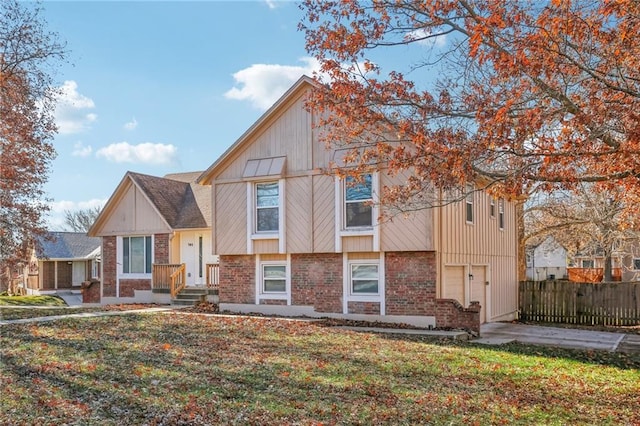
[172, 278]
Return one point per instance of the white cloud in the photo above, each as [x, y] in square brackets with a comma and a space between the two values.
[79, 150]
[263, 84]
[131, 124]
[421, 33]
[56, 220]
[72, 109]
[146, 153]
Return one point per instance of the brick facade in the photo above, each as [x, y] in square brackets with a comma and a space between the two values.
[109, 266]
[161, 248]
[237, 279]
[128, 287]
[451, 314]
[316, 280]
[91, 292]
[364, 308]
[410, 281]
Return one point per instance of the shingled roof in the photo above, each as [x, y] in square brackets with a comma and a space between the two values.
[68, 245]
[183, 203]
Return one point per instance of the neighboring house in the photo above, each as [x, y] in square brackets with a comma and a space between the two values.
[546, 260]
[153, 229]
[64, 261]
[293, 240]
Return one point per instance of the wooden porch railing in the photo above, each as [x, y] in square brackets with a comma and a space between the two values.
[213, 275]
[161, 274]
[178, 280]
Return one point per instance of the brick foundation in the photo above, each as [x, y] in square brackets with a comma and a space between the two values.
[128, 287]
[316, 280]
[237, 279]
[451, 314]
[410, 281]
[364, 308]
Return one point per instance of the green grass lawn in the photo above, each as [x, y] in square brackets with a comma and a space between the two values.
[176, 368]
[32, 301]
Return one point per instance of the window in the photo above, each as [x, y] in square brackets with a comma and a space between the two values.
[636, 264]
[588, 263]
[501, 213]
[358, 196]
[364, 278]
[274, 278]
[267, 200]
[136, 255]
[492, 207]
[469, 203]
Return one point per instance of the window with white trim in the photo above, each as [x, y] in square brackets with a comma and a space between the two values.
[588, 263]
[267, 206]
[136, 255]
[358, 196]
[364, 278]
[469, 203]
[636, 264]
[501, 213]
[274, 278]
[492, 207]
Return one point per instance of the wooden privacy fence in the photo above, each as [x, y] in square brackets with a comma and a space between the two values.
[613, 303]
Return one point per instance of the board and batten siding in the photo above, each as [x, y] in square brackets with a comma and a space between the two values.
[287, 134]
[134, 215]
[481, 243]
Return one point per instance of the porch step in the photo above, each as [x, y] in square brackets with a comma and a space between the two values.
[192, 295]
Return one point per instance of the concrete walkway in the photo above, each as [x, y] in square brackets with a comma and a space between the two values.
[498, 333]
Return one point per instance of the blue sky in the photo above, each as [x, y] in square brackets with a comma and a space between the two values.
[162, 87]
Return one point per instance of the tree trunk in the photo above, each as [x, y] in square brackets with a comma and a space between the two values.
[608, 270]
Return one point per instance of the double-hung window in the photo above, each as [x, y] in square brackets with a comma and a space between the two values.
[267, 205]
[501, 213]
[358, 196]
[274, 278]
[136, 255]
[365, 278]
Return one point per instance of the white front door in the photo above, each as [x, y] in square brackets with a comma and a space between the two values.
[79, 273]
[192, 256]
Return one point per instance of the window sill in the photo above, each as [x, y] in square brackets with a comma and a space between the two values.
[274, 296]
[265, 236]
[355, 232]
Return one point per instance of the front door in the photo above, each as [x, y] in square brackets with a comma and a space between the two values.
[478, 289]
[192, 256]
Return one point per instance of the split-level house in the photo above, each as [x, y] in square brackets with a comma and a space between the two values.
[295, 240]
[156, 239]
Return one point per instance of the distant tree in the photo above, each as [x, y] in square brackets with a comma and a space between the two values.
[28, 55]
[585, 221]
[524, 96]
[81, 220]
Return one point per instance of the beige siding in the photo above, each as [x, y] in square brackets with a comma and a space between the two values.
[265, 246]
[364, 256]
[413, 231]
[174, 252]
[231, 218]
[134, 214]
[364, 243]
[483, 244]
[323, 214]
[273, 257]
[288, 134]
[298, 215]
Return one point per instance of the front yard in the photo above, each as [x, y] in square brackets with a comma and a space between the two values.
[176, 368]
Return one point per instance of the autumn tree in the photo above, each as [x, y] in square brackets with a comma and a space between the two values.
[522, 96]
[28, 54]
[82, 219]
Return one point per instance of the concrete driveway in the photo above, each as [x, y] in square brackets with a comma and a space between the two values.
[497, 333]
